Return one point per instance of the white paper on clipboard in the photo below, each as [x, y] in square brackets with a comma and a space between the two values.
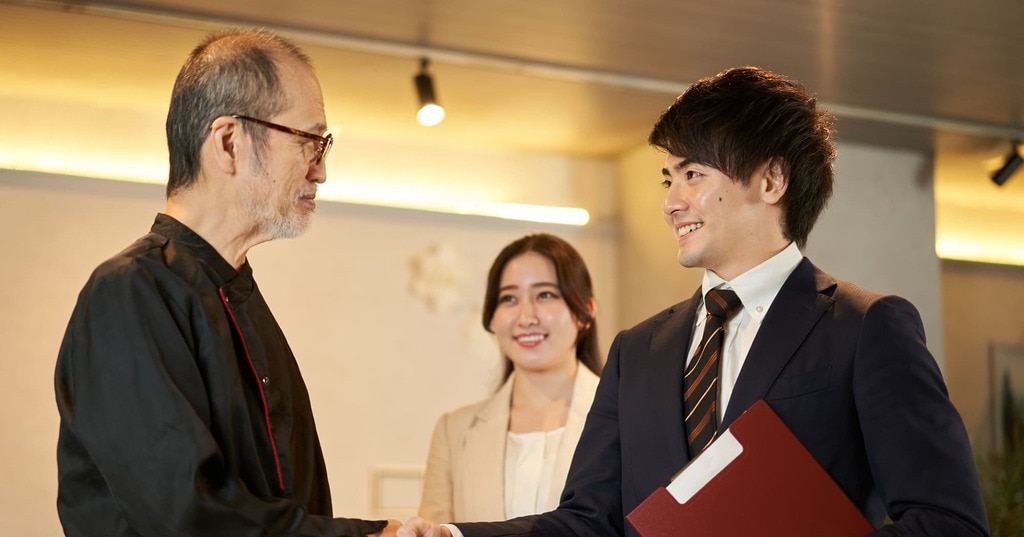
[723, 451]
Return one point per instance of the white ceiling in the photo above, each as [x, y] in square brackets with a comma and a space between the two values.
[583, 77]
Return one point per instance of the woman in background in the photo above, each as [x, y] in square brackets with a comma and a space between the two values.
[508, 455]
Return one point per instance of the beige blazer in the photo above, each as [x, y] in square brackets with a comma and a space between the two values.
[465, 476]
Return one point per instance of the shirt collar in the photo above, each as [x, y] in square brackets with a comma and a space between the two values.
[758, 286]
[237, 283]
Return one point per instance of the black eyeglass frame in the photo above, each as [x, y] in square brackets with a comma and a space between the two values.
[324, 143]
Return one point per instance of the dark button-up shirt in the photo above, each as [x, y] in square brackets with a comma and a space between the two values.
[182, 408]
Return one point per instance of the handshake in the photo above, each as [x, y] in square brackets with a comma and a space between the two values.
[414, 527]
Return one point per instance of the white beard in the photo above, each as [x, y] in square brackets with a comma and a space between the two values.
[267, 217]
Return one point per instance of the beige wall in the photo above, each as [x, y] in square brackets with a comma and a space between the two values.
[982, 304]
[650, 276]
[879, 230]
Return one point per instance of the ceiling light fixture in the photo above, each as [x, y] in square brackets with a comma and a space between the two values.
[1013, 161]
[430, 113]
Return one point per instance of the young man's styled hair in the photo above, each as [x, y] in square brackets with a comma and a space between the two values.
[745, 117]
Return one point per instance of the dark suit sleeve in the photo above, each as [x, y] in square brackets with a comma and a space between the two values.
[591, 502]
[915, 440]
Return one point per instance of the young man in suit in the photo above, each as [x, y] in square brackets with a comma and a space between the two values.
[748, 171]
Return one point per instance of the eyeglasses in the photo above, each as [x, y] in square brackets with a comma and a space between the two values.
[323, 143]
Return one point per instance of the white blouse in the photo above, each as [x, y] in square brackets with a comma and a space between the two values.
[529, 463]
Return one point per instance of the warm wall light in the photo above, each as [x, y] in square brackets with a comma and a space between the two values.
[402, 197]
[430, 112]
[1013, 161]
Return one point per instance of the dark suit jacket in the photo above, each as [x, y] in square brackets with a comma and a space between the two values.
[846, 369]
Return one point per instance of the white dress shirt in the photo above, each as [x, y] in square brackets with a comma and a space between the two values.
[756, 289]
[529, 466]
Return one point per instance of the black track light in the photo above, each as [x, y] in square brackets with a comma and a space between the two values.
[1013, 161]
[430, 113]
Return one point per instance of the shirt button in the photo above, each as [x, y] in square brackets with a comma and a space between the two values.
[759, 309]
[266, 380]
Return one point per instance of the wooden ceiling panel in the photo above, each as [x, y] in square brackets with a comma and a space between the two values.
[572, 76]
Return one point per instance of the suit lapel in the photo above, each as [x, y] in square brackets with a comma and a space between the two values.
[582, 399]
[795, 311]
[484, 455]
[669, 344]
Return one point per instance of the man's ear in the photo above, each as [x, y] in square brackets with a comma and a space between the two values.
[223, 144]
[775, 181]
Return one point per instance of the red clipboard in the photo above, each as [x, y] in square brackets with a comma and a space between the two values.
[756, 478]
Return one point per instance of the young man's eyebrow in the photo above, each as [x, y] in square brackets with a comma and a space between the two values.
[678, 166]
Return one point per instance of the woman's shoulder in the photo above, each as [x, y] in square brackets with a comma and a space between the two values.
[493, 407]
[584, 390]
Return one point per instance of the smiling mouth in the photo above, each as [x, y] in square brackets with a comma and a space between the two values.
[530, 338]
[687, 229]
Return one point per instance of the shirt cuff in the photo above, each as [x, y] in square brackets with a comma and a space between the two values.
[455, 531]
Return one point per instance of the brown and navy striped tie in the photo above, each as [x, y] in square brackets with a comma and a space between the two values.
[700, 383]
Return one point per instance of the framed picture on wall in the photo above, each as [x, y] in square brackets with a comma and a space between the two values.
[1007, 388]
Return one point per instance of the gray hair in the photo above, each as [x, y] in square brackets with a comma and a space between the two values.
[232, 71]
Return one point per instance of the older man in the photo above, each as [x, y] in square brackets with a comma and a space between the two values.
[182, 408]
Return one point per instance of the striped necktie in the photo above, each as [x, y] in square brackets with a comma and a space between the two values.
[700, 383]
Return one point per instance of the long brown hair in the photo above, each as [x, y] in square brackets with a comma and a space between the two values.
[574, 284]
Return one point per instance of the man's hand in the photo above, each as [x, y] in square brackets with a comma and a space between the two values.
[389, 530]
[417, 527]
